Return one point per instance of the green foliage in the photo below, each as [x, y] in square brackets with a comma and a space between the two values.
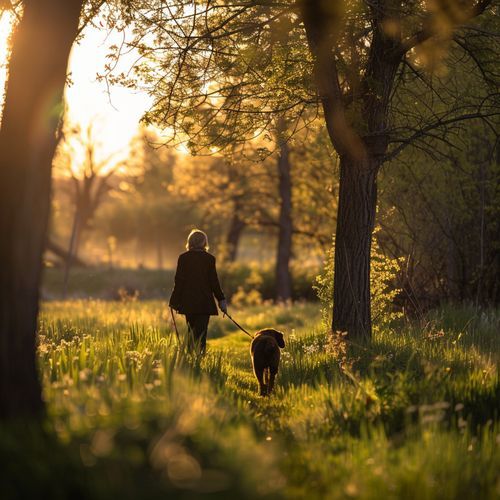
[131, 414]
[384, 271]
[216, 101]
[446, 219]
[383, 289]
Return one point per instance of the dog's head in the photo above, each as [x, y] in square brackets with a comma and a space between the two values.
[280, 340]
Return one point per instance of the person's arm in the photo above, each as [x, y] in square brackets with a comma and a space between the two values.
[179, 279]
[216, 288]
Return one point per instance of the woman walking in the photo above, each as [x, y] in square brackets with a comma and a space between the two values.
[196, 284]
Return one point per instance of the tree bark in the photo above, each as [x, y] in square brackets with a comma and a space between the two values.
[361, 149]
[283, 277]
[355, 223]
[234, 235]
[33, 105]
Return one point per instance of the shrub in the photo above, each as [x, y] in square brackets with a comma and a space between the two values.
[384, 271]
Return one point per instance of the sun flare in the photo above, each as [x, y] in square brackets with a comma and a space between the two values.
[6, 25]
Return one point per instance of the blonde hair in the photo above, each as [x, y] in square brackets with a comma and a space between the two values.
[197, 239]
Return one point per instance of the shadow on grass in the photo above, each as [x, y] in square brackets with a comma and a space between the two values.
[153, 461]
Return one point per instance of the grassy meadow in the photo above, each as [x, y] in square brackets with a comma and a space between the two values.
[132, 415]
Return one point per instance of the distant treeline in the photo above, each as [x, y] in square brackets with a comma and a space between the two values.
[243, 284]
[442, 221]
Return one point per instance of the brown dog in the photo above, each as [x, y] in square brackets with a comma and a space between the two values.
[265, 352]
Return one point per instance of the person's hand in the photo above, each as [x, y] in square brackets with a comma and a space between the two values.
[223, 306]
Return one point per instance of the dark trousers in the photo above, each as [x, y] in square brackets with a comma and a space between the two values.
[197, 331]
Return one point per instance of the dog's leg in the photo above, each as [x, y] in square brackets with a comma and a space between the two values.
[259, 373]
[267, 375]
[270, 385]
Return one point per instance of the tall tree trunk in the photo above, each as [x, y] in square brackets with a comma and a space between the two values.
[361, 149]
[452, 264]
[483, 166]
[33, 105]
[355, 223]
[234, 235]
[71, 252]
[283, 277]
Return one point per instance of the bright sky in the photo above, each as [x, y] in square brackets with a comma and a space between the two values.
[115, 116]
[5, 27]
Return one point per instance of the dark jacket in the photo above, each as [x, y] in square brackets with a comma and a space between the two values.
[196, 283]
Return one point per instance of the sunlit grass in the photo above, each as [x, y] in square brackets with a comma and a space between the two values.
[413, 415]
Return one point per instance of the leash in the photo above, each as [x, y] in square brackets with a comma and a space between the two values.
[224, 314]
[238, 325]
[175, 325]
